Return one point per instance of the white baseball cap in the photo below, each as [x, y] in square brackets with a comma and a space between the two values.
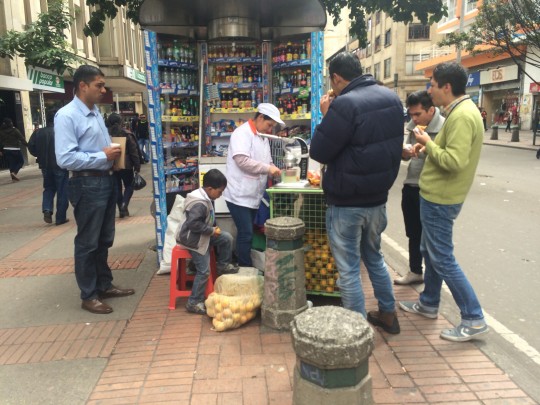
[271, 111]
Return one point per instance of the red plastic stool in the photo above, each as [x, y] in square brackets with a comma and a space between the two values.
[179, 277]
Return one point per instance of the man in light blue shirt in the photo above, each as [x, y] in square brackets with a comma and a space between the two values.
[83, 146]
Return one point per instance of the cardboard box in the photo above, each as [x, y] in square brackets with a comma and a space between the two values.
[120, 162]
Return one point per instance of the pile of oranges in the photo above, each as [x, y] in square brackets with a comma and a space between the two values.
[320, 268]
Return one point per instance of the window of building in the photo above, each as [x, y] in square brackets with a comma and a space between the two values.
[368, 49]
[79, 26]
[451, 6]
[368, 26]
[377, 43]
[377, 17]
[411, 61]
[388, 38]
[470, 6]
[377, 71]
[387, 68]
[367, 70]
[418, 31]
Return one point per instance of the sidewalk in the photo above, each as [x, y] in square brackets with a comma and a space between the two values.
[504, 139]
[52, 352]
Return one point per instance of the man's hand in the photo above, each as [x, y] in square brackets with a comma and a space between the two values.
[418, 148]
[112, 152]
[407, 151]
[325, 103]
[421, 136]
[274, 171]
[217, 231]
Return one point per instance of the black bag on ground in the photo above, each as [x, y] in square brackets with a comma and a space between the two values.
[138, 182]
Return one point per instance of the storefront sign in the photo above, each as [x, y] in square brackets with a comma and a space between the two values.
[135, 75]
[497, 75]
[474, 79]
[534, 88]
[43, 79]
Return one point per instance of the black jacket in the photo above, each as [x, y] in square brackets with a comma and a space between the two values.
[142, 130]
[360, 141]
[41, 145]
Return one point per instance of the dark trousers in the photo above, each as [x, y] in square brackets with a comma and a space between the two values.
[243, 218]
[55, 182]
[14, 159]
[508, 123]
[124, 194]
[94, 207]
[410, 205]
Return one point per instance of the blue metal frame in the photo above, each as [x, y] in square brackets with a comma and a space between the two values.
[317, 85]
[156, 138]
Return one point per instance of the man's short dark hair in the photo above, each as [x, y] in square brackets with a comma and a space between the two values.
[346, 65]
[215, 179]
[420, 97]
[86, 74]
[451, 73]
[49, 115]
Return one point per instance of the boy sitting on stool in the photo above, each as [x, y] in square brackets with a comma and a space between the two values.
[197, 232]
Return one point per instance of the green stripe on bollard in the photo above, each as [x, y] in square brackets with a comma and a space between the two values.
[282, 245]
[336, 378]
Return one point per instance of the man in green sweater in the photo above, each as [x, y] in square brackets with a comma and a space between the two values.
[447, 176]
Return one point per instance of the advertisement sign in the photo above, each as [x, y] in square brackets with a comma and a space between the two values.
[43, 79]
[135, 75]
[534, 88]
[499, 74]
[474, 79]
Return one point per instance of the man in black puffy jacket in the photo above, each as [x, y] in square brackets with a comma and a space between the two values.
[360, 141]
[55, 179]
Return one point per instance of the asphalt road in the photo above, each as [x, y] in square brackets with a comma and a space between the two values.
[497, 243]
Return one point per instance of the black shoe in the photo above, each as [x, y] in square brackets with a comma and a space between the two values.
[229, 269]
[388, 321]
[124, 211]
[47, 216]
[538, 154]
[62, 222]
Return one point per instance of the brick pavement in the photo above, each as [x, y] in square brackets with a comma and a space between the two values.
[164, 357]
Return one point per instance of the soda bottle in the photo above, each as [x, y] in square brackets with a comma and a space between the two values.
[169, 52]
[176, 50]
[235, 98]
[308, 48]
[253, 98]
[160, 50]
[289, 53]
[303, 52]
[295, 52]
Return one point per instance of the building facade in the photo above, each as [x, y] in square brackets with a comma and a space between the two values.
[27, 92]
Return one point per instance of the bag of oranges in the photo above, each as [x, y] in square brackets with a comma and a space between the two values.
[235, 300]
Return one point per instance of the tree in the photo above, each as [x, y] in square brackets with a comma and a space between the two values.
[504, 27]
[43, 43]
[427, 11]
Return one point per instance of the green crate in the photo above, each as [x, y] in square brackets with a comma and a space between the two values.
[309, 205]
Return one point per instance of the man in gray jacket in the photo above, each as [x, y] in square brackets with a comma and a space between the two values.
[426, 116]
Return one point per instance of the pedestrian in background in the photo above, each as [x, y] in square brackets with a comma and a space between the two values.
[428, 117]
[11, 141]
[484, 118]
[249, 163]
[447, 176]
[55, 179]
[360, 140]
[124, 177]
[508, 121]
[143, 137]
[83, 145]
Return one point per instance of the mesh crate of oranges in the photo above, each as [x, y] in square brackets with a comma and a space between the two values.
[320, 268]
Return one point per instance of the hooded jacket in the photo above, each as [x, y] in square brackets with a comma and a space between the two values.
[11, 138]
[197, 226]
[41, 145]
[360, 141]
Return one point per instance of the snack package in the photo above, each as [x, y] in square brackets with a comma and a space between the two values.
[235, 300]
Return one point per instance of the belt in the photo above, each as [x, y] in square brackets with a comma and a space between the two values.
[92, 173]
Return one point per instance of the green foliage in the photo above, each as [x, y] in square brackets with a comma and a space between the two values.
[427, 11]
[508, 26]
[43, 43]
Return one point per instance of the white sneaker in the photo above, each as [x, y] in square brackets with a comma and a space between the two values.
[409, 278]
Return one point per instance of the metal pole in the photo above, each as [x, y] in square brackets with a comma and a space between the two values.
[461, 24]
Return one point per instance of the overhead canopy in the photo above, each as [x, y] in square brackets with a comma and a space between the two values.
[233, 19]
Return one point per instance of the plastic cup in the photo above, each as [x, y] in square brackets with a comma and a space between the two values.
[115, 145]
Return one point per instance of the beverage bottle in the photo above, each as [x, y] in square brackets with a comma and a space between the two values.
[259, 97]
[169, 52]
[160, 50]
[289, 53]
[299, 77]
[253, 98]
[289, 106]
[185, 107]
[280, 105]
[195, 107]
[191, 107]
[308, 78]
[171, 108]
[303, 52]
[176, 50]
[235, 98]
[241, 100]
[223, 100]
[182, 54]
[229, 100]
[295, 52]
[166, 76]
[247, 100]
[162, 105]
[308, 48]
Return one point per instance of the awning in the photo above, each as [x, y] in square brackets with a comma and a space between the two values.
[43, 79]
[15, 83]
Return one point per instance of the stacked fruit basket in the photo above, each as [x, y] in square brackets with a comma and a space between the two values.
[309, 205]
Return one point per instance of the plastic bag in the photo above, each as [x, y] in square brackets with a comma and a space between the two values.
[235, 300]
[138, 182]
[173, 219]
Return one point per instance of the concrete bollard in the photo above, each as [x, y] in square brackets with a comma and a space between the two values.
[494, 133]
[284, 277]
[332, 346]
[515, 134]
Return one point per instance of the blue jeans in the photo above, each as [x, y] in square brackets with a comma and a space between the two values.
[144, 146]
[354, 234]
[441, 265]
[55, 182]
[125, 177]
[243, 218]
[223, 243]
[94, 207]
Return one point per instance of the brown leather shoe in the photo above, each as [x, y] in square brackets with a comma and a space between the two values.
[96, 306]
[386, 320]
[114, 292]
